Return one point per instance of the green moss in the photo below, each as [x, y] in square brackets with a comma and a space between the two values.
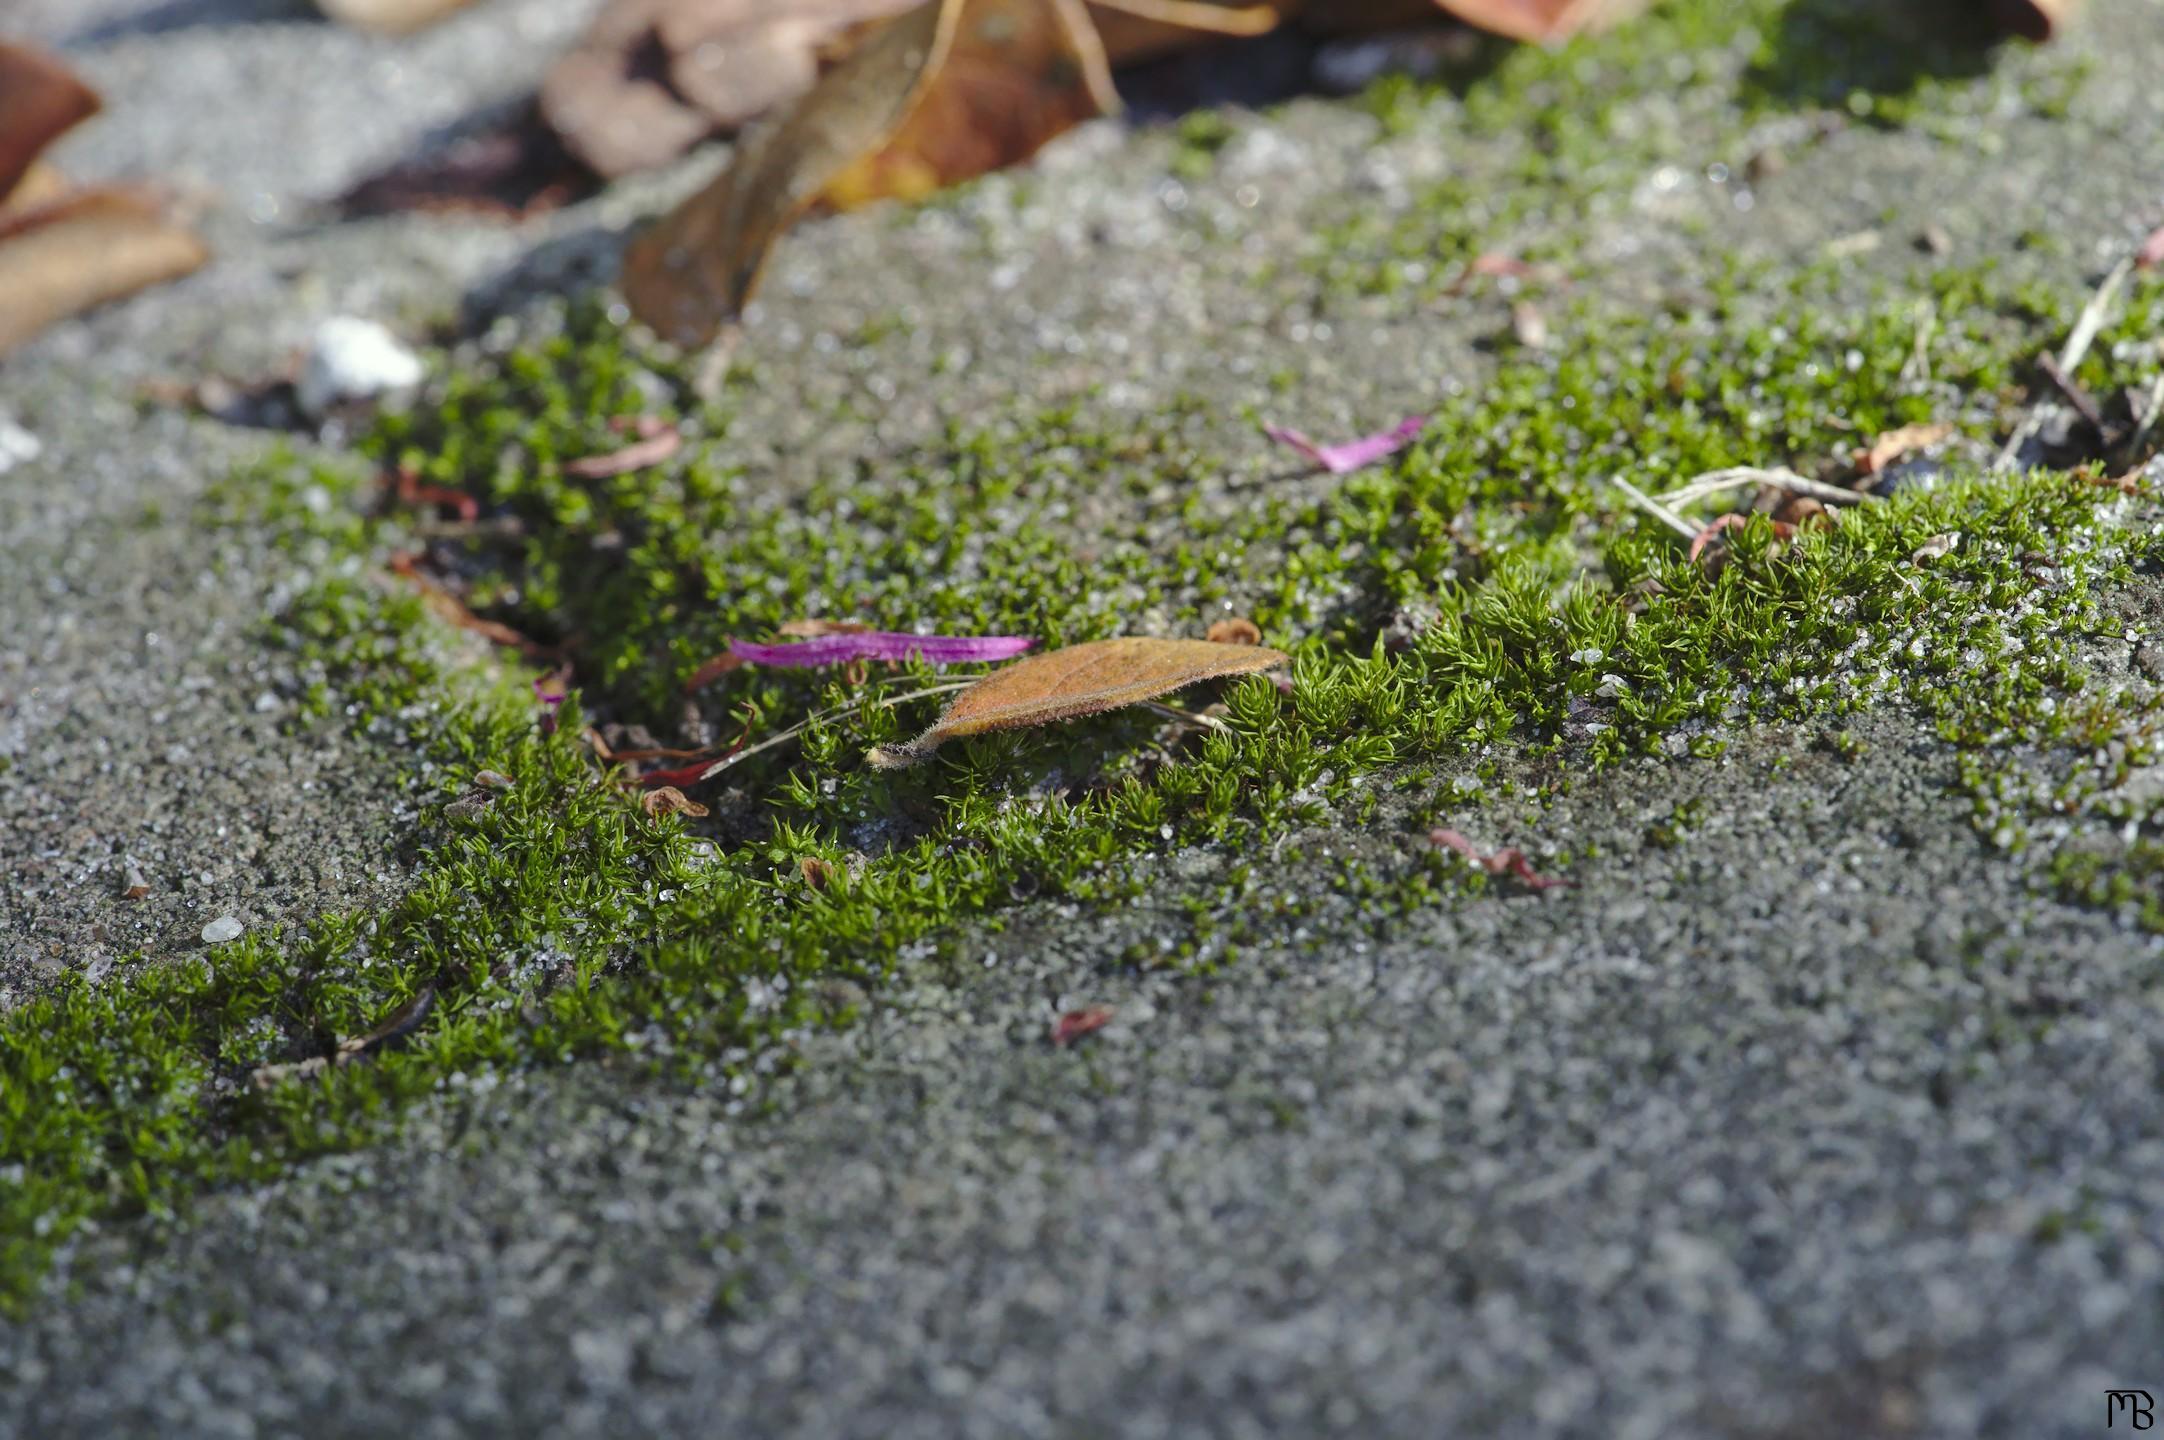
[1484, 592]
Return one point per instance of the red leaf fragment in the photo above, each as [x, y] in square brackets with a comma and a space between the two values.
[407, 567]
[1510, 860]
[408, 489]
[1735, 520]
[683, 775]
[2151, 253]
[1074, 1024]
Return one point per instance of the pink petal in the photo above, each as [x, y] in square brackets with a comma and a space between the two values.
[883, 645]
[1352, 454]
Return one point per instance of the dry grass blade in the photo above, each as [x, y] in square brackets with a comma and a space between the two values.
[1654, 508]
[1076, 681]
[85, 249]
[737, 757]
[691, 273]
[1739, 476]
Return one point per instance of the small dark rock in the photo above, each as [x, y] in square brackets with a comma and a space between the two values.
[1907, 475]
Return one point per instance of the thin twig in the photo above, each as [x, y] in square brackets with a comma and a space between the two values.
[2148, 416]
[2093, 316]
[1779, 477]
[883, 702]
[2087, 326]
[2071, 388]
[1654, 508]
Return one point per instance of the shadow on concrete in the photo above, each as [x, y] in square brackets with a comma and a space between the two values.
[1826, 53]
[169, 16]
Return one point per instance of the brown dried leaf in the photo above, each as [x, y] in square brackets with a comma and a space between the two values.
[1541, 21]
[82, 250]
[1132, 30]
[1017, 73]
[668, 800]
[40, 98]
[820, 874]
[1894, 444]
[691, 273]
[1079, 680]
[389, 17]
[1072, 1025]
[651, 78]
[2033, 19]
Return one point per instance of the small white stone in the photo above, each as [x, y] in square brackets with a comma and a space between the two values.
[222, 929]
[351, 359]
[17, 445]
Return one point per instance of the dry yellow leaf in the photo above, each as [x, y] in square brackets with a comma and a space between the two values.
[668, 800]
[1017, 73]
[692, 272]
[1131, 30]
[651, 78]
[84, 249]
[1079, 680]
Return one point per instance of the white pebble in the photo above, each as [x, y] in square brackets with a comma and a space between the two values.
[354, 360]
[17, 445]
[222, 929]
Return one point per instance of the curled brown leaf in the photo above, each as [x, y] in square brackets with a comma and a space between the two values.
[1075, 681]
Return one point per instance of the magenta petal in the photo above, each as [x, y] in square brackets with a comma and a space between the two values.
[1350, 456]
[883, 645]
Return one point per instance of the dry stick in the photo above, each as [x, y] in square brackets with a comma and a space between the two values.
[2078, 340]
[1653, 507]
[2093, 316]
[2068, 386]
[2148, 416]
[1780, 478]
[884, 702]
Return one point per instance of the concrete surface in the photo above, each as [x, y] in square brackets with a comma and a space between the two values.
[1821, 1123]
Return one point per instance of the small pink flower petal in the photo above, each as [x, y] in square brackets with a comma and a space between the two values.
[883, 645]
[1345, 458]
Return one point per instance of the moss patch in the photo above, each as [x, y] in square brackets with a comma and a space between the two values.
[1482, 595]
